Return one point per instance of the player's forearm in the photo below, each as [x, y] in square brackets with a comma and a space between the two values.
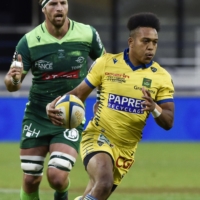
[11, 85]
[165, 120]
[82, 91]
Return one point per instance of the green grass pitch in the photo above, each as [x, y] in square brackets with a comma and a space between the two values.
[162, 171]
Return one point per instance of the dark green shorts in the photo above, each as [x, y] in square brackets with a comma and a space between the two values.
[37, 130]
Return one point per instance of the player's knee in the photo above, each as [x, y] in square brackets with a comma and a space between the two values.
[104, 186]
[32, 182]
[57, 182]
[32, 165]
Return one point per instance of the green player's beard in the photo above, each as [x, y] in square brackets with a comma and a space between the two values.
[58, 24]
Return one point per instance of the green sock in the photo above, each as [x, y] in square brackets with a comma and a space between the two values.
[31, 196]
[63, 195]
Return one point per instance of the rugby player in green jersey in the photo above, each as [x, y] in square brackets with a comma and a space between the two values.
[56, 53]
[132, 86]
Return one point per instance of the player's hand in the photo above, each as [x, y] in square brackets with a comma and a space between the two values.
[16, 68]
[53, 113]
[148, 103]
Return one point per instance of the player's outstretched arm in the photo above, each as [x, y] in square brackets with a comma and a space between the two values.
[14, 76]
[163, 113]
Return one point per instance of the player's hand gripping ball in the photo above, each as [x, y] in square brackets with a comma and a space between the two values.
[72, 110]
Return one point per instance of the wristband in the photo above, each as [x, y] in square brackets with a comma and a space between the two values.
[15, 82]
[156, 112]
[98, 96]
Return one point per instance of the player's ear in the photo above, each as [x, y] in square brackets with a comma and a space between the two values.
[130, 41]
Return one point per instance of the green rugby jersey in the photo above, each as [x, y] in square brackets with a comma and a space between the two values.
[58, 65]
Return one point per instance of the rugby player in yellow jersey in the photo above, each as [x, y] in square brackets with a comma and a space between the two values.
[133, 86]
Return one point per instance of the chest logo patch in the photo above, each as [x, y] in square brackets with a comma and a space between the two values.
[115, 60]
[146, 82]
[61, 53]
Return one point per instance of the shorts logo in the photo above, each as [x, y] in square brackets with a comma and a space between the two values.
[125, 104]
[71, 134]
[30, 132]
[146, 82]
[125, 163]
[102, 139]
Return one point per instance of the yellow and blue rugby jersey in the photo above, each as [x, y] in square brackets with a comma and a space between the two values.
[120, 116]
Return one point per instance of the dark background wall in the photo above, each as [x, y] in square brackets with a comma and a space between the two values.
[179, 21]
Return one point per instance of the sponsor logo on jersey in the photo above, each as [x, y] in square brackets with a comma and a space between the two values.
[44, 65]
[80, 59]
[61, 53]
[115, 60]
[140, 88]
[146, 82]
[125, 104]
[38, 38]
[117, 75]
[114, 77]
[77, 67]
[153, 69]
[71, 134]
[54, 75]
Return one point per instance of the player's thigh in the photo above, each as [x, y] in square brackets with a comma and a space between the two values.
[70, 138]
[35, 151]
[97, 155]
[100, 166]
[64, 149]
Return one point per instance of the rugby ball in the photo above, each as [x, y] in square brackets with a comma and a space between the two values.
[72, 110]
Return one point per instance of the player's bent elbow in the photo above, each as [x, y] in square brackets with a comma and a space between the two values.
[168, 126]
[165, 125]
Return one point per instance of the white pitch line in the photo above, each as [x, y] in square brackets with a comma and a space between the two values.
[4, 190]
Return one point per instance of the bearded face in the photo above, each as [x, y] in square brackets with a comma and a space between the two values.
[56, 12]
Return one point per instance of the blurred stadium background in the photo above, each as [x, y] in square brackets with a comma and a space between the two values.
[178, 52]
